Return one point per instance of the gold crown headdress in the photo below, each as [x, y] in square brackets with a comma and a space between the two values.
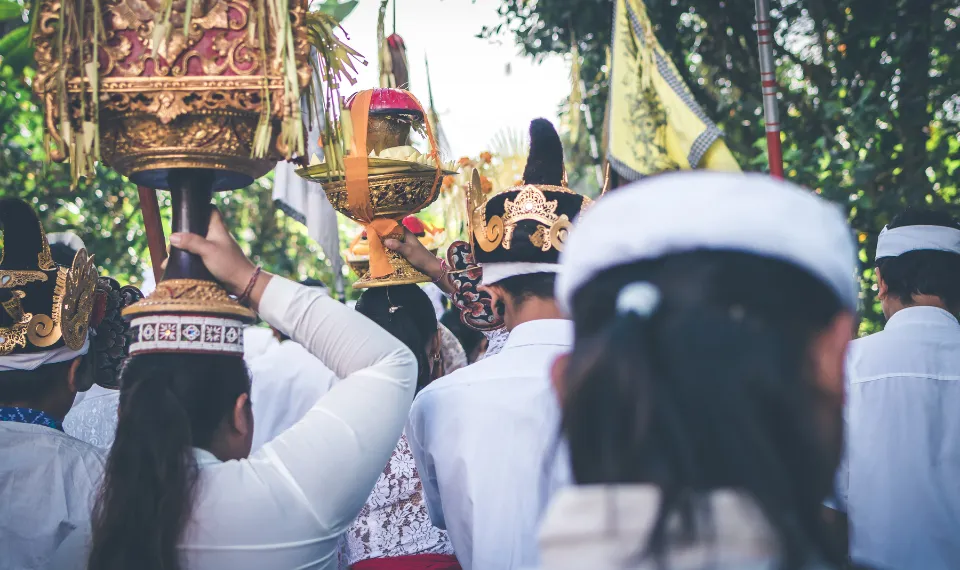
[531, 203]
[45, 306]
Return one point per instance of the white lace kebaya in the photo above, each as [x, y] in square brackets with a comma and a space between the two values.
[395, 522]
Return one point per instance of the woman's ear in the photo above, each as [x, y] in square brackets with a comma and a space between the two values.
[882, 288]
[243, 416]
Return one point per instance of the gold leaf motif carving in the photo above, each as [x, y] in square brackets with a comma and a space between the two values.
[42, 332]
[9, 279]
[77, 302]
[12, 337]
[167, 107]
[181, 296]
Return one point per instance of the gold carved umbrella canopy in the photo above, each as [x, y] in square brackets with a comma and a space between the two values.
[193, 96]
[214, 92]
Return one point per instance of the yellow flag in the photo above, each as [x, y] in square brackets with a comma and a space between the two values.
[654, 124]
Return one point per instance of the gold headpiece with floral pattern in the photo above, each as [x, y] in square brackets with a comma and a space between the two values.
[530, 202]
[44, 306]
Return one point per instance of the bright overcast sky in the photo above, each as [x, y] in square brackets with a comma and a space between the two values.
[473, 90]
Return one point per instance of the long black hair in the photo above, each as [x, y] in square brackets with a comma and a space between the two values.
[169, 403]
[713, 390]
[407, 313]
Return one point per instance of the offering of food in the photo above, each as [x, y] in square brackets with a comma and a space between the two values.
[393, 115]
[375, 176]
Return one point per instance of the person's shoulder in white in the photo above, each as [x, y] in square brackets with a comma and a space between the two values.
[286, 381]
[49, 481]
[921, 341]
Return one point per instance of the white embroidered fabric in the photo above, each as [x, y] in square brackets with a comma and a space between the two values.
[454, 358]
[495, 341]
[394, 521]
[94, 419]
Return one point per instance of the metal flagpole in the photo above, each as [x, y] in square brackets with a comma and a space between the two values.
[768, 79]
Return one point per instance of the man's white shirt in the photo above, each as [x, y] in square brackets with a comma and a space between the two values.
[486, 444]
[48, 481]
[901, 480]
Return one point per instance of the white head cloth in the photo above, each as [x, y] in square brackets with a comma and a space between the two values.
[898, 241]
[68, 239]
[493, 272]
[675, 213]
[34, 360]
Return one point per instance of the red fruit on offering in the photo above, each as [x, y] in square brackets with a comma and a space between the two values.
[415, 226]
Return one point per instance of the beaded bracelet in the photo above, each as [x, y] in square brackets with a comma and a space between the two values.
[444, 270]
[245, 296]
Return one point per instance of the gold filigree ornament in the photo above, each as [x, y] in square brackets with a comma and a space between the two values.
[78, 296]
[11, 279]
[531, 204]
[558, 233]
[16, 335]
[487, 234]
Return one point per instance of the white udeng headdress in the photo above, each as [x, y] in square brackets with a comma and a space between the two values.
[675, 213]
[897, 241]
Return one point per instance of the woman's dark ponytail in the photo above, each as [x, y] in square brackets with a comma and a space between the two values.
[169, 404]
[708, 391]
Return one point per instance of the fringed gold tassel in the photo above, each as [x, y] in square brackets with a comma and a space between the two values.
[261, 137]
[77, 53]
[335, 65]
[291, 132]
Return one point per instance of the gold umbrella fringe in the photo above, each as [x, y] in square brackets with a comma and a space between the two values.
[335, 65]
[78, 139]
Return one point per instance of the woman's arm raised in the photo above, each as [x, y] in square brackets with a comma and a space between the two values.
[337, 451]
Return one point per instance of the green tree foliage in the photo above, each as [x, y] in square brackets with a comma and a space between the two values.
[869, 91]
[105, 212]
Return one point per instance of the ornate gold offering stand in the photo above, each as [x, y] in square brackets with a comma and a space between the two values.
[191, 102]
[384, 190]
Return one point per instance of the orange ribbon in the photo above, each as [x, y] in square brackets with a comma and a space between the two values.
[358, 188]
[358, 185]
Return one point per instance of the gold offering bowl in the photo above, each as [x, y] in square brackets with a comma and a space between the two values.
[392, 196]
[360, 265]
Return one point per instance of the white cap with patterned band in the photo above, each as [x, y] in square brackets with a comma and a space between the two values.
[186, 333]
[897, 241]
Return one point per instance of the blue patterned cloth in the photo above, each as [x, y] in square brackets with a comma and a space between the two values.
[29, 416]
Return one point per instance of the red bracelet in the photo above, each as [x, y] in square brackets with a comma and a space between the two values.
[444, 270]
[245, 296]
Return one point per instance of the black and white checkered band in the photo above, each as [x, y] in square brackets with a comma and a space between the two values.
[186, 333]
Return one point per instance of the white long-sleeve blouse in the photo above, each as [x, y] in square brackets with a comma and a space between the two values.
[285, 506]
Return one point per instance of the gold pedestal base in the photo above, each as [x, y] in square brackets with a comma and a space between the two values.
[403, 274]
[190, 297]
